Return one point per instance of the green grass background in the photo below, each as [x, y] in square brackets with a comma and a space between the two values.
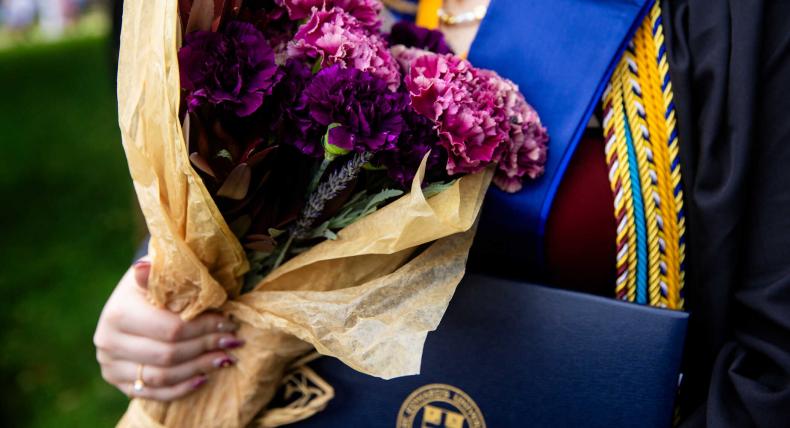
[67, 231]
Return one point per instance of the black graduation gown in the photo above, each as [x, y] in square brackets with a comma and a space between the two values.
[730, 67]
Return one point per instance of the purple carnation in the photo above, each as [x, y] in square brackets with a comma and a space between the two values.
[417, 139]
[295, 128]
[365, 11]
[271, 18]
[336, 37]
[369, 115]
[234, 68]
[413, 36]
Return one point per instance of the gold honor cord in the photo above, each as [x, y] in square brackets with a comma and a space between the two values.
[675, 190]
[640, 95]
[649, 79]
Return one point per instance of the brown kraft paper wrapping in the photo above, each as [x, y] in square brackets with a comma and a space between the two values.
[368, 298]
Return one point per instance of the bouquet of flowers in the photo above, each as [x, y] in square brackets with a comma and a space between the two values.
[311, 175]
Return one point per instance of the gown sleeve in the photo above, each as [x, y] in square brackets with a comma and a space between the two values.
[730, 67]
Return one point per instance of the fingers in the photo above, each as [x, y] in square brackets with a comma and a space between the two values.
[136, 316]
[204, 324]
[168, 393]
[176, 354]
[142, 269]
[152, 352]
[165, 326]
[125, 372]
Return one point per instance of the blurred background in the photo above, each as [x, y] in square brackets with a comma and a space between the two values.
[68, 222]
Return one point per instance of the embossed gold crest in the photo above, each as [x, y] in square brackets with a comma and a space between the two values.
[440, 405]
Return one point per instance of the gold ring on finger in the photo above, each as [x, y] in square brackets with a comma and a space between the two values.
[139, 385]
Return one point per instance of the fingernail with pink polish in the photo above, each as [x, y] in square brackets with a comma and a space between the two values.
[140, 264]
[223, 362]
[230, 343]
[197, 383]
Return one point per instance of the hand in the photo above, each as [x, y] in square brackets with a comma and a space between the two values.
[176, 355]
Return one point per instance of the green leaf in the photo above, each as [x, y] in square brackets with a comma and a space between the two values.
[318, 64]
[370, 167]
[434, 189]
[331, 151]
[224, 153]
[360, 206]
[274, 233]
[382, 197]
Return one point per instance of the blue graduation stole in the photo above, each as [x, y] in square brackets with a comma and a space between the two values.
[561, 53]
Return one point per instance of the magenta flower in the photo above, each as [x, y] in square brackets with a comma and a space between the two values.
[234, 68]
[525, 151]
[336, 37]
[365, 11]
[480, 117]
[446, 90]
[435, 82]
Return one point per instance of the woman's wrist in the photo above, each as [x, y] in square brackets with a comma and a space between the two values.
[457, 7]
[460, 36]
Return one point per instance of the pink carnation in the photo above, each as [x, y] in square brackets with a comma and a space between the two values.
[480, 117]
[405, 56]
[435, 82]
[365, 11]
[445, 89]
[526, 148]
[336, 37]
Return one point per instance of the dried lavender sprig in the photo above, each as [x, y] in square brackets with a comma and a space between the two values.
[337, 182]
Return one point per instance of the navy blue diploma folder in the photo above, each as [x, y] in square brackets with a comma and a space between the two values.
[510, 354]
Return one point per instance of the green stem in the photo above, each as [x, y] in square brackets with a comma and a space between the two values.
[318, 174]
[281, 256]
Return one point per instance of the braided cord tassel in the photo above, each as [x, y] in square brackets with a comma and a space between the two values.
[675, 188]
[623, 221]
[639, 216]
[644, 171]
[620, 180]
[635, 110]
[653, 98]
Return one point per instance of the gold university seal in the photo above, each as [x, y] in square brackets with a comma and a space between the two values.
[439, 405]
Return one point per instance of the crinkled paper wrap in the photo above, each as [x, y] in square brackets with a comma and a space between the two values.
[368, 298]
